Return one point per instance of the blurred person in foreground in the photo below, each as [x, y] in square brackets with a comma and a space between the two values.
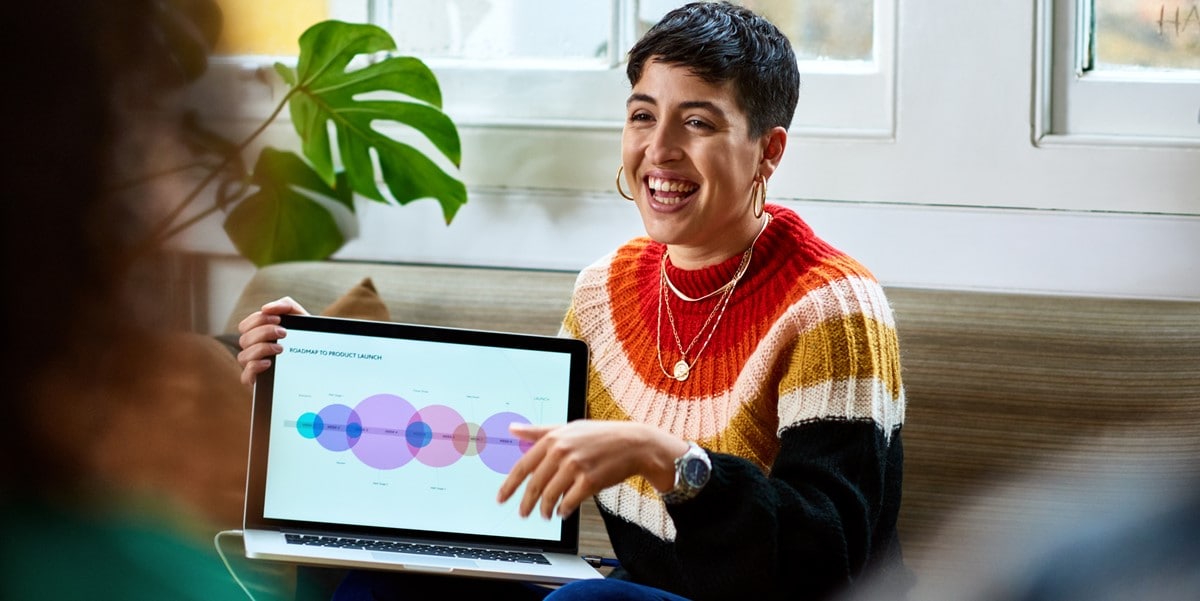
[1116, 519]
[107, 456]
[744, 397]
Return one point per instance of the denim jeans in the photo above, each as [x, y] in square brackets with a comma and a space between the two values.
[364, 585]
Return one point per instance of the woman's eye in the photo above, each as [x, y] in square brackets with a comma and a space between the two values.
[639, 117]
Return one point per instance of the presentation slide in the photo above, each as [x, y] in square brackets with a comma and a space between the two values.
[406, 434]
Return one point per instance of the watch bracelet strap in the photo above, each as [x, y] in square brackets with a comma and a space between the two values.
[681, 492]
[676, 496]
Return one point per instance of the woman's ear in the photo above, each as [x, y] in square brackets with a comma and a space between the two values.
[773, 144]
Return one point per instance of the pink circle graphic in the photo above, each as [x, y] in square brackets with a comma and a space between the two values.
[382, 444]
[442, 422]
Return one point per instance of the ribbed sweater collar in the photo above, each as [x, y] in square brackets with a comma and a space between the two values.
[771, 251]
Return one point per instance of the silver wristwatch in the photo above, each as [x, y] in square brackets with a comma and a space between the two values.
[692, 470]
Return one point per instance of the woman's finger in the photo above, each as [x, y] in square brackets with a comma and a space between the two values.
[581, 490]
[519, 472]
[562, 480]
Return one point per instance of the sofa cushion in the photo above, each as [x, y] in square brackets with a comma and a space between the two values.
[359, 302]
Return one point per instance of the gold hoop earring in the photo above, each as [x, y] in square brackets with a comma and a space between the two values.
[758, 195]
[620, 172]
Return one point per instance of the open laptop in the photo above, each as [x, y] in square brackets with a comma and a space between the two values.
[383, 445]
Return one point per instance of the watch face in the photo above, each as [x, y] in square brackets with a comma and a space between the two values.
[695, 472]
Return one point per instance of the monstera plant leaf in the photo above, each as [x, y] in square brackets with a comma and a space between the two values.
[286, 219]
[280, 210]
[324, 92]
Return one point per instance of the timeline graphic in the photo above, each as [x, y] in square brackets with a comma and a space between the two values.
[386, 432]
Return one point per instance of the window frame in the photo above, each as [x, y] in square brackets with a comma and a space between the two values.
[1074, 106]
[838, 99]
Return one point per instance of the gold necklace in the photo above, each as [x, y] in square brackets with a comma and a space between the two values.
[683, 368]
[741, 269]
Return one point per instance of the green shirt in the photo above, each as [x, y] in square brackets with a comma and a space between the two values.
[56, 553]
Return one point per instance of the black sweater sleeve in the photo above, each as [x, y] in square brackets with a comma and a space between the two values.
[824, 516]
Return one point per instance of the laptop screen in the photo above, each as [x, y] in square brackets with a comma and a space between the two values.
[397, 429]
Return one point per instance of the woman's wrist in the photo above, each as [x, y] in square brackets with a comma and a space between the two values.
[664, 448]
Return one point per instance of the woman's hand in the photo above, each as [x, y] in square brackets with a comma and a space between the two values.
[571, 462]
[260, 332]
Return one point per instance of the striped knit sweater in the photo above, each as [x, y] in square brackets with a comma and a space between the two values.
[797, 398]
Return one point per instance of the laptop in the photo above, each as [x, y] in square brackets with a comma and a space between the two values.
[382, 445]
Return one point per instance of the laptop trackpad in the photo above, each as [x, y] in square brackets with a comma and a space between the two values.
[426, 560]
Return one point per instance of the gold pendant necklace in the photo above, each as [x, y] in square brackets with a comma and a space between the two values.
[683, 368]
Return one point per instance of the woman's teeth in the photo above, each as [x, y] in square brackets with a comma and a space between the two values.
[670, 191]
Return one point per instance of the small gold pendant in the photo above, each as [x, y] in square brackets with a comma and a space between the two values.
[681, 370]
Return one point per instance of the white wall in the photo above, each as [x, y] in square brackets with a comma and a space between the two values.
[960, 197]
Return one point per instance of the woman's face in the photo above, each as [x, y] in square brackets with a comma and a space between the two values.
[690, 162]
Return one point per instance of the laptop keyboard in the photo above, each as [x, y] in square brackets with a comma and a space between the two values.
[416, 548]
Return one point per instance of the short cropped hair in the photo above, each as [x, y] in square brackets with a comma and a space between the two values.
[720, 42]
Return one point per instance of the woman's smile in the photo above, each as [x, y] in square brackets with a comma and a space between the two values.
[670, 192]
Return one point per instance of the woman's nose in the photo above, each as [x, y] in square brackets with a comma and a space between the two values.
[663, 146]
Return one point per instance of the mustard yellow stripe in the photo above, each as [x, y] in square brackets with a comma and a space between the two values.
[874, 353]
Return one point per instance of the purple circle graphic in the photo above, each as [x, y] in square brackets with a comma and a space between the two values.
[384, 417]
[442, 423]
[498, 448]
[337, 420]
[385, 432]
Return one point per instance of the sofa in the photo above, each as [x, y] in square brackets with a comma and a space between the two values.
[1010, 397]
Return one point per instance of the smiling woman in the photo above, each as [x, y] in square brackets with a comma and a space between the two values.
[781, 417]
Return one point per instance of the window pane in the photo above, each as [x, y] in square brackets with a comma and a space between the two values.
[823, 29]
[504, 30]
[1147, 34]
[818, 29]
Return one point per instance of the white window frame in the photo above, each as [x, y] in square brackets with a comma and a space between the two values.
[1077, 107]
[838, 99]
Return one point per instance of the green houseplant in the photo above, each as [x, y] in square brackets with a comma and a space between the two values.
[276, 208]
